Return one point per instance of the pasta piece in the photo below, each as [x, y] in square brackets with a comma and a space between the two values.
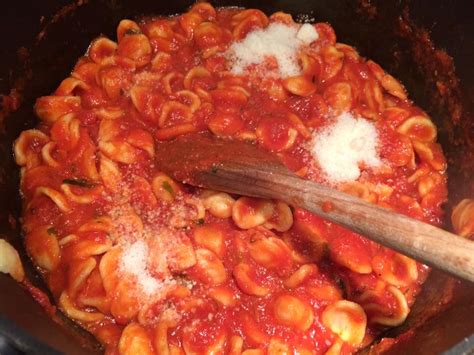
[219, 204]
[42, 245]
[373, 98]
[172, 82]
[276, 133]
[174, 108]
[247, 20]
[299, 85]
[243, 276]
[303, 273]
[189, 98]
[418, 127]
[161, 336]
[110, 174]
[251, 212]
[26, 147]
[126, 26]
[183, 256]
[143, 140]
[335, 348]
[325, 292]
[92, 294]
[162, 63]
[253, 334]
[102, 49]
[195, 76]
[211, 237]
[10, 262]
[47, 154]
[282, 218]
[135, 340]
[114, 80]
[75, 313]
[388, 82]
[210, 267]
[353, 253]
[332, 58]
[396, 269]
[208, 35]
[377, 313]
[164, 187]
[310, 65]
[346, 319]
[338, 96]
[299, 125]
[146, 102]
[50, 108]
[78, 272]
[253, 352]
[96, 244]
[189, 21]
[88, 195]
[174, 131]
[236, 345]
[135, 47]
[430, 153]
[462, 218]
[225, 124]
[223, 295]
[206, 10]
[66, 132]
[270, 252]
[218, 347]
[282, 17]
[293, 312]
[278, 347]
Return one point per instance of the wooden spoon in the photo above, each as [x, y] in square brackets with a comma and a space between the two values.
[242, 168]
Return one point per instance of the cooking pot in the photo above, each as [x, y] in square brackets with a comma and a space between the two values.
[428, 46]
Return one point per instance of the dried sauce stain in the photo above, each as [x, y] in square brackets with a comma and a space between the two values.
[327, 206]
[448, 99]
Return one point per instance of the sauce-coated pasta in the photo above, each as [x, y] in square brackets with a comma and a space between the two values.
[150, 265]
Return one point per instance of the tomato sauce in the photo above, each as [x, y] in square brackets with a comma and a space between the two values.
[168, 77]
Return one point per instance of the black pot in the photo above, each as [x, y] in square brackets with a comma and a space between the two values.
[54, 33]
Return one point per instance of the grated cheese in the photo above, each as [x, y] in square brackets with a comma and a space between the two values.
[278, 41]
[134, 262]
[343, 146]
[307, 34]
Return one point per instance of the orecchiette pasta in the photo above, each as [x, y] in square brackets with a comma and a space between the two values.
[463, 218]
[151, 265]
[293, 312]
[346, 319]
[10, 262]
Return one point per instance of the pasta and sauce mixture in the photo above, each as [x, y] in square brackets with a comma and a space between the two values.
[149, 265]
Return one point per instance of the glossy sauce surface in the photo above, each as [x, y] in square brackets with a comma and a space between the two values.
[247, 276]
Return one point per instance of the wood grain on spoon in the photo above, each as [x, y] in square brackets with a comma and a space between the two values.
[241, 168]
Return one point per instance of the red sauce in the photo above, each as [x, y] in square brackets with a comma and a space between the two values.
[142, 91]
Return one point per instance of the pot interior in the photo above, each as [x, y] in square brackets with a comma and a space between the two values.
[389, 32]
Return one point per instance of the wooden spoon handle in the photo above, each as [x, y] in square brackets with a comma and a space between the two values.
[419, 240]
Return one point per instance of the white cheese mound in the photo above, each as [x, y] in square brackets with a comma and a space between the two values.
[307, 33]
[134, 262]
[279, 41]
[341, 147]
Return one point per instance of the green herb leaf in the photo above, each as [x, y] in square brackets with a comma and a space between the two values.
[78, 182]
[342, 286]
[200, 221]
[132, 31]
[52, 231]
[166, 185]
[214, 169]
